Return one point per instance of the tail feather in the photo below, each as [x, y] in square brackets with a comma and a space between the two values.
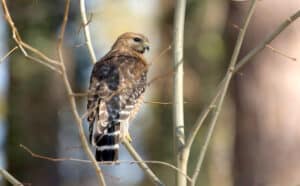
[107, 155]
[107, 145]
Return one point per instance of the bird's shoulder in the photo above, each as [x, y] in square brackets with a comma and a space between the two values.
[118, 61]
[122, 56]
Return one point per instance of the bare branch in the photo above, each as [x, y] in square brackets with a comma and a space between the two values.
[40, 54]
[239, 66]
[35, 155]
[266, 41]
[178, 106]
[156, 58]
[280, 52]
[10, 178]
[142, 164]
[87, 31]
[201, 118]
[82, 25]
[83, 139]
[44, 63]
[8, 54]
[22, 45]
[224, 89]
[15, 32]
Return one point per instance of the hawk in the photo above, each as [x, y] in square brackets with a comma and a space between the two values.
[117, 84]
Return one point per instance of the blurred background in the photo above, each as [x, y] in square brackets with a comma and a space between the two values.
[257, 139]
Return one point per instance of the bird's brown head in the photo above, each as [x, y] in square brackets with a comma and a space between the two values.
[133, 41]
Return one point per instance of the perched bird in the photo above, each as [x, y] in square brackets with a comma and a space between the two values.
[117, 84]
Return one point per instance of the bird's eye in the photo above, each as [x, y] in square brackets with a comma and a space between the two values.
[136, 39]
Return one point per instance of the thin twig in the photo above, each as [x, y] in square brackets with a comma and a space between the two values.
[87, 23]
[201, 118]
[266, 41]
[35, 155]
[10, 178]
[142, 164]
[240, 64]
[280, 53]
[22, 45]
[156, 58]
[78, 120]
[224, 89]
[178, 106]
[87, 31]
[39, 53]
[32, 58]
[8, 54]
[15, 32]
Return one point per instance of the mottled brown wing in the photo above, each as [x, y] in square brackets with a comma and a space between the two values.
[116, 85]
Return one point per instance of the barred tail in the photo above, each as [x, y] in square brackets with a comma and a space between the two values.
[107, 145]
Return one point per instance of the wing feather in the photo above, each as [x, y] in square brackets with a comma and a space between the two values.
[116, 86]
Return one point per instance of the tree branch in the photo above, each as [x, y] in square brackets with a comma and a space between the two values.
[10, 178]
[178, 106]
[224, 89]
[267, 40]
[198, 124]
[50, 63]
[86, 29]
[8, 54]
[280, 53]
[83, 139]
[142, 164]
[35, 155]
[240, 64]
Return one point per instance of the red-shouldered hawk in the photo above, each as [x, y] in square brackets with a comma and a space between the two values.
[117, 84]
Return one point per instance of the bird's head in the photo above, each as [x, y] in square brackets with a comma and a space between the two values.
[134, 41]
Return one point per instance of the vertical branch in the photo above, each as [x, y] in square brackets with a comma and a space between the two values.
[87, 31]
[78, 120]
[224, 89]
[178, 110]
[10, 178]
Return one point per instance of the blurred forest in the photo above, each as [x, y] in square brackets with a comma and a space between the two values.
[257, 138]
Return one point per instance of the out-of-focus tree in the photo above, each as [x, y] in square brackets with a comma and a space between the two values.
[267, 100]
